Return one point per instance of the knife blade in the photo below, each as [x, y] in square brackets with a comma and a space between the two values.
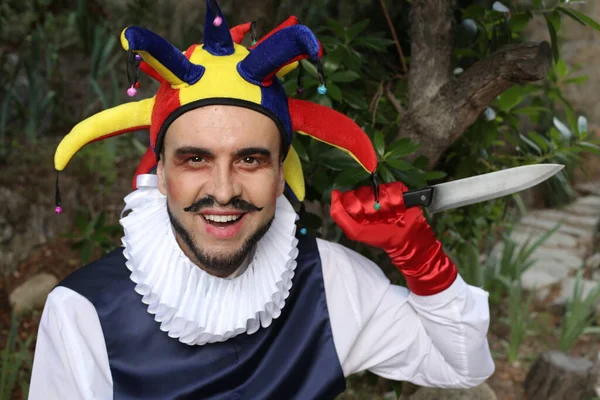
[479, 188]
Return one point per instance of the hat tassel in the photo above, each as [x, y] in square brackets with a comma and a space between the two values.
[58, 209]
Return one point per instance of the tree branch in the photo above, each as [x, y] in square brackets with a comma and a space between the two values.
[395, 102]
[460, 101]
[395, 36]
[485, 80]
[431, 49]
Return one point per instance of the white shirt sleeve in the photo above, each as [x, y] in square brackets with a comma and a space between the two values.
[70, 360]
[434, 341]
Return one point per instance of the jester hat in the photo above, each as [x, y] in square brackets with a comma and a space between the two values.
[222, 71]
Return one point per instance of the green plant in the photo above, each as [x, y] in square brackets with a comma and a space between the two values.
[16, 360]
[93, 234]
[513, 261]
[579, 314]
[519, 317]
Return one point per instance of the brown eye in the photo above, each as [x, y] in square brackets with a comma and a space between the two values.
[249, 160]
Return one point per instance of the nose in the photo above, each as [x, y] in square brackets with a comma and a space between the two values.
[224, 184]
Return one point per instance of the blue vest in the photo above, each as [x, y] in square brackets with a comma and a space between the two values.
[294, 358]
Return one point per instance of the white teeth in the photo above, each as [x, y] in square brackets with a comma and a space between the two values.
[221, 218]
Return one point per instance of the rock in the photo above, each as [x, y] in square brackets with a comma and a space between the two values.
[6, 230]
[556, 216]
[481, 392]
[593, 261]
[523, 234]
[568, 286]
[32, 294]
[589, 188]
[546, 225]
[550, 266]
[390, 396]
[540, 276]
[592, 201]
[583, 210]
[24, 226]
[564, 257]
[559, 376]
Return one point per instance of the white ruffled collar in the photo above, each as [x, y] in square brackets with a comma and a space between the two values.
[190, 304]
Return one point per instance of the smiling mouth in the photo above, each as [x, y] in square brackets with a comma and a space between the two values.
[222, 221]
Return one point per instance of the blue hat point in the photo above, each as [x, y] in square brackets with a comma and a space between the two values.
[217, 38]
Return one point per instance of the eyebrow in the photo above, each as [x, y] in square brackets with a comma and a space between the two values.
[248, 151]
[199, 151]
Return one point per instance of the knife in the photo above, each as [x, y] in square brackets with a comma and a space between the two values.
[476, 189]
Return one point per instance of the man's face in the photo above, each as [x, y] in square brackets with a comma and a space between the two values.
[222, 164]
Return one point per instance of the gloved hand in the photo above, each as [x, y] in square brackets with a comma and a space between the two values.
[403, 233]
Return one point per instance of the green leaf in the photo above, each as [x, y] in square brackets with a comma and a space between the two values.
[519, 21]
[350, 177]
[510, 98]
[379, 143]
[373, 43]
[320, 181]
[356, 29]
[582, 124]
[553, 38]
[337, 159]
[539, 140]
[580, 17]
[309, 67]
[355, 100]
[352, 60]
[386, 174]
[344, 76]
[561, 68]
[532, 111]
[531, 143]
[323, 100]
[593, 148]
[578, 80]
[300, 149]
[334, 91]
[433, 175]
[400, 165]
[401, 147]
[333, 60]
[337, 29]
[562, 128]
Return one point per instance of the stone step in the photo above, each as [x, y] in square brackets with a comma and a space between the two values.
[546, 225]
[568, 286]
[589, 188]
[556, 240]
[543, 274]
[589, 222]
[593, 201]
[582, 210]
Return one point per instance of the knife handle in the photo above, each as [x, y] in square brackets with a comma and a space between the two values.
[418, 197]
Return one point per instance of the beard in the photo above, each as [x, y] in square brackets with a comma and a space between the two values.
[219, 264]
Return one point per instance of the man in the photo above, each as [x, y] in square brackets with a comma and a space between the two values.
[215, 293]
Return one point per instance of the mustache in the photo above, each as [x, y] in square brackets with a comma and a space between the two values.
[235, 203]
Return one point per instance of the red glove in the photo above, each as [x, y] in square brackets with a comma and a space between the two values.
[404, 234]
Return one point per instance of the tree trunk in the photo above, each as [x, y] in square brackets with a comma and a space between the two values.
[441, 107]
[558, 376]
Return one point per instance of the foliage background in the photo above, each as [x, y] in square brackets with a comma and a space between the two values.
[61, 61]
